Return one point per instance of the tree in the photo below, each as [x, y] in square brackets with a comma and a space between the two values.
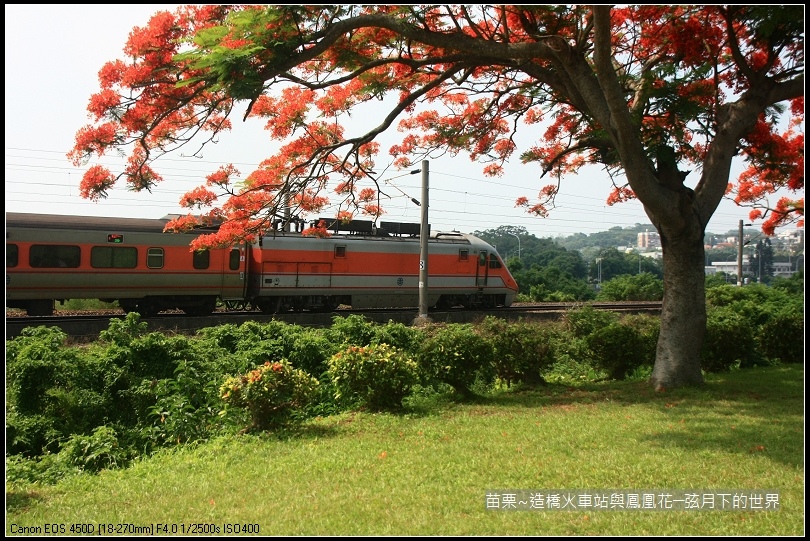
[762, 261]
[632, 287]
[612, 263]
[641, 90]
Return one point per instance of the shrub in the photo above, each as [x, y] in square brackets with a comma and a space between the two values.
[95, 452]
[648, 328]
[584, 320]
[30, 434]
[399, 335]
[36, 361]
[310, 350]
[86, 304]
[252, 340]
[354, 330]
[793, 285]
[156, 355]
[729, 341]
[619, 349]
[379, 376]
[632, 287]
[186, 407]
[456, 355]
[226, 336]
[273, 393]
[52, 391]
[122, 331]
[756, 302]
[572, 360]
[522, 350]
[48, 469]
[781, 339]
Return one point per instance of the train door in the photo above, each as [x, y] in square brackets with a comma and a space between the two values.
[234, 274]
[482, 270]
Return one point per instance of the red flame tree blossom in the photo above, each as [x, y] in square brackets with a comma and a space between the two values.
[651, 93]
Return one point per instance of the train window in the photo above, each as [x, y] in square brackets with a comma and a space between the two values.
[11, 255]
[233, 261]
[202, 259]
[482, 259]
[494, 262]
[340, 251]
[107, 257]
[154, 258]
[51, 256]
[463, 255]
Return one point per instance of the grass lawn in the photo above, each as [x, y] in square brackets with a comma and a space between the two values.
[428, 470]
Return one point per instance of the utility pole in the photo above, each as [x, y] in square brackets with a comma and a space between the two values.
[599, 273]
[424, 235]
[739, 255]
[518, 238]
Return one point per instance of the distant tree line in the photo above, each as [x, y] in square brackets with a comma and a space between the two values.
[583, 267]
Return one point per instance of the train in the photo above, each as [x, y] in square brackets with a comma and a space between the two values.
[358, 264]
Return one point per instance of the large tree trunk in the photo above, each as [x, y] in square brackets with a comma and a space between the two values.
[683, 315]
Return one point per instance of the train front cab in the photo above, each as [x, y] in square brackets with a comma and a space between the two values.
[495, 282]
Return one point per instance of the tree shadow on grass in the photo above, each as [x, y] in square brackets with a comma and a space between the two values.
[18, 499]
[749, 411]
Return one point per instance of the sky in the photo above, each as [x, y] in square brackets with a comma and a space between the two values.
[54, 53]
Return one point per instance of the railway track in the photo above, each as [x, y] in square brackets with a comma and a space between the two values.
[88, 325]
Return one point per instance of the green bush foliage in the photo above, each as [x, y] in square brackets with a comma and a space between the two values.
[456, 355]
[648, 327]
[353, 330]
[310, 350]
[774, 315]
[619, 349]
[49, 468]
[156, 355]
[52, 391]
[793, 285]
[586, 319]
[756, 302]
[522, 350]
[729, 341]
[274, 393]
[572, 360]
[378, 376]
[252, 342]
[717, 279]
[781, 338]
[98, 451]
[124, 331]
[186, 407]
[398, 335]
[86, 304]
[56, 391]
[632, 287]
[30, 434]
[227, 336]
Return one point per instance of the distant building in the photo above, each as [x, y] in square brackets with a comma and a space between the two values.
[783, 268]
[791, 237]
[780, 268]
[729, 267]
[649, 240]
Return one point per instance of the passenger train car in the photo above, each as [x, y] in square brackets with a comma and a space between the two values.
[134, 262]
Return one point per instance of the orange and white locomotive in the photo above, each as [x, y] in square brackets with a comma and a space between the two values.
[132, 261]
